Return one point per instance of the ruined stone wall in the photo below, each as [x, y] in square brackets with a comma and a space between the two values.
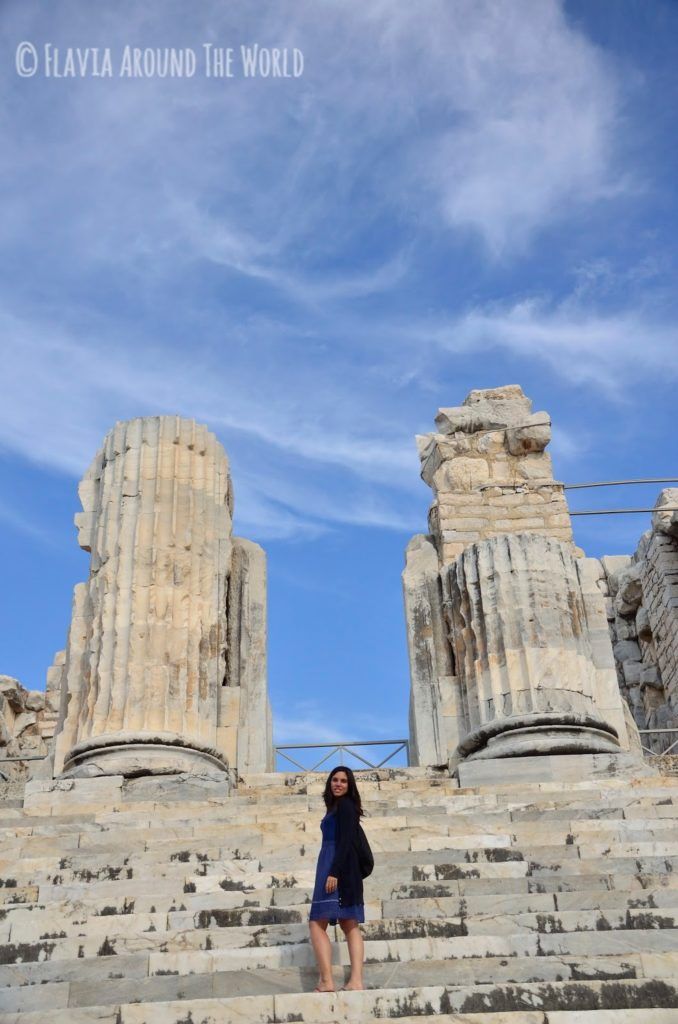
[642, 609]
[27, 722]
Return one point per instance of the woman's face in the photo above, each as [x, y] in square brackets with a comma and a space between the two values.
[339, 784]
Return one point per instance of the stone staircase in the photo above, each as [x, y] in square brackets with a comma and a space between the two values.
[171, 901]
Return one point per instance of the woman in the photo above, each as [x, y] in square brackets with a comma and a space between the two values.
[338, 891]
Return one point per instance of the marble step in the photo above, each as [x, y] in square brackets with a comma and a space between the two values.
[489, 894]
[197, 951]
[439, 899]
[404, 903]
[299, 852]
[117, 894]
[235, 910]
[220, 1013]
[639, 837]
[557, 882]
[316, 1008]
[88, 796]
[284, 926]
[644, 1016]
[386, 835]
[189, 869]
[156, 817]
[546, 869]
[28, 986]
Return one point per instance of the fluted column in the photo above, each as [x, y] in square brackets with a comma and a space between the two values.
[526, 669]
[147, 650]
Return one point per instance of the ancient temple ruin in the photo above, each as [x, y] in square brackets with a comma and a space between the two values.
[154, 869]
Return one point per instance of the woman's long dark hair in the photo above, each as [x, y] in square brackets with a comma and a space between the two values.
[351, 793]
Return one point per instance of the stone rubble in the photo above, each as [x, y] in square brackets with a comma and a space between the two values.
[27, 723]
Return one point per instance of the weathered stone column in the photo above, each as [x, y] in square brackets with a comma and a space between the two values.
[251, 721]
[145, 672]
[435, 712]
[524, 660]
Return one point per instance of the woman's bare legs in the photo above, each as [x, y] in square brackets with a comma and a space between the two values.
[322, 947]
[356, 952]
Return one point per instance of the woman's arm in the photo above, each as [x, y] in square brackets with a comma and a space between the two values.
[347, 821]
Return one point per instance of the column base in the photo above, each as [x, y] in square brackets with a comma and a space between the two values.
[544, 733]
[142, 754]
[559, 769]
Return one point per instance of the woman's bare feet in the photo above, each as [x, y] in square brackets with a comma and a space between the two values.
[323, 987]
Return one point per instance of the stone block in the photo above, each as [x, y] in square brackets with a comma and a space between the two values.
[665, 517]
[626, 629]
[532, 436]
[462, 474]
[627, 650]
[649, 676]
[555, 768]
[535, 468]
[629, 593]
[614, 564]
[486, 410]
[631, 671]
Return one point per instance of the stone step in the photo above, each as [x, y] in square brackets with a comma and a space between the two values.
[315, 1008]
[644, 1016]
[497, 901]
[425, 899]
[280, 926]
[387, 835]
[31, 985]
[558, 882]
[535, 869]
[185, 820]
[215, 950]
[204, 852]
[627, 822]
[80, 866]
[104, 894]
[81, 798]
[236, 909]
[220, 1013]
[190, 867]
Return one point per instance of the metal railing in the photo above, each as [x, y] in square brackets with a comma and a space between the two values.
[673, 745]
[342, 749]
[621, 483]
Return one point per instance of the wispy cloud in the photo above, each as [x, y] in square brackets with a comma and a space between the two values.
[251, 253]
[504, 121]
[306, 722]
[578, 342]
[19, 523]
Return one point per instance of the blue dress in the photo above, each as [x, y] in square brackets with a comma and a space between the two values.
[326, 906]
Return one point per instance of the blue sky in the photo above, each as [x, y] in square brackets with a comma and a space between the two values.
[454, 194]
